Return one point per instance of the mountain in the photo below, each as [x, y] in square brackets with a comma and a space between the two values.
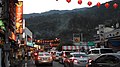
[64, 23]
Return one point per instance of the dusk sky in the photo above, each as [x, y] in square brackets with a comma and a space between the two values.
[39, 6]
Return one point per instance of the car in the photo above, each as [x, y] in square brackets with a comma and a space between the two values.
[76, 59]
[106, 60]
[96, 52]
[118, 52]
[57, 56]
[43, 58]
[63, 55]
[53, 53]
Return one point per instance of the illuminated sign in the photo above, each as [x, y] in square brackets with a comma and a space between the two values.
[19, 17]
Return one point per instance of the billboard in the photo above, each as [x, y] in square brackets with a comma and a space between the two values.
[19, 17]
[76, 38]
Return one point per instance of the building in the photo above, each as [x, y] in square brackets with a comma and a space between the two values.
[108, 37]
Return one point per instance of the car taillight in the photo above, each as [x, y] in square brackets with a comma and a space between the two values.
[64, 55]
[75, 60]
[81, 56]
[89, 61]
[50, 58]
[38, 58]
[35, 54]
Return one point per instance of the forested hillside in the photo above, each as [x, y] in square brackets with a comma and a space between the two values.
[64, 23]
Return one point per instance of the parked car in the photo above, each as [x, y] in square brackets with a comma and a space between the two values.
[106, 60]
[63, 55]
[76, 59]
[96, 52]
[43, 58]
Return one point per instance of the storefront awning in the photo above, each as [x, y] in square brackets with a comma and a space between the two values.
[114, 42]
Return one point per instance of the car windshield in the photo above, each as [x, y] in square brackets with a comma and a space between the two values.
[79, 55]
[66, 53]
[95, 51]
[106, 51]
[57, 54]
[44, 54]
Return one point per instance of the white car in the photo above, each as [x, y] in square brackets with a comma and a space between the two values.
[57, 56]
[44, 58]
[96, 52]
[76, 59]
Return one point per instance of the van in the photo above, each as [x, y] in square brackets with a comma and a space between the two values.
[96, 52]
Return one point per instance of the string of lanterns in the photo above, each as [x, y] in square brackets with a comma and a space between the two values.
[47, 41]
[107, 5]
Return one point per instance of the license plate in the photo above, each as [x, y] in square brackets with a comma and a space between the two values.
[44, 58]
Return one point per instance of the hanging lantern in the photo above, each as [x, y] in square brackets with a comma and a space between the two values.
[68, 1]
[80, 2]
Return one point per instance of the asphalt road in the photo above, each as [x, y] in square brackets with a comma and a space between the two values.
[30, 63]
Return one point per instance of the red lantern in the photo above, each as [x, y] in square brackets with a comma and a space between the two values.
[98, 4]
[89, 3]
[115, 5]
[68, 1]
[79, 1]
[107, 5]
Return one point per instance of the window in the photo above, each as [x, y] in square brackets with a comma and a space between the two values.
[108, 59]
[101, 59]
[111, 59]
[89, 52]
[44, 54]
[106, 51]
[95, 51]
[70, 56]
[79, 55]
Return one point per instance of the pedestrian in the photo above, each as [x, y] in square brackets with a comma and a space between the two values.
[29, 55]
[25, 55]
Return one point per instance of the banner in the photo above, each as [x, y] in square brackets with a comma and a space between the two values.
[19, 17]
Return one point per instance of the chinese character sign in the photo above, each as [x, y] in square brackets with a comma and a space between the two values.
[19, 17]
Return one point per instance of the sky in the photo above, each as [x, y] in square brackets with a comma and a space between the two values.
[40, 6]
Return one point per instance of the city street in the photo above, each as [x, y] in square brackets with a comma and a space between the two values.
[30, 63]
[42, 33]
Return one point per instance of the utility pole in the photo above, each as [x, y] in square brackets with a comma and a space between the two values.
[81, 34]
[7, 44]
[102, 35]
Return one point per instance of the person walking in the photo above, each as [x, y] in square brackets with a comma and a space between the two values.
[29, 55]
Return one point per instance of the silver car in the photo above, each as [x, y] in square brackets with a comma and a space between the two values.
[76, 59]
[44, 58]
